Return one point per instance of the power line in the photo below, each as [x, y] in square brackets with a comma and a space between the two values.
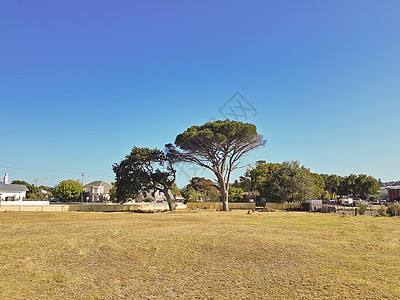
[53, 171]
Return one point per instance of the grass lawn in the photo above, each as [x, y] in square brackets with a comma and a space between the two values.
[198, 254]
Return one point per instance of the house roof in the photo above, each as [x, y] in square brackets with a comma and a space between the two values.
[4, 187]
[98, 183]
[106, 185]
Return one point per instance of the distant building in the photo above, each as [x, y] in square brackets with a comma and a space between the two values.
[97, 191]
[12, 192]
[394, 194]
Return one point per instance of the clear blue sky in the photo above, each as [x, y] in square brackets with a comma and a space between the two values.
[82, 82]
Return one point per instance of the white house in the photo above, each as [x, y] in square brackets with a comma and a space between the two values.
[98, 191]
[12, 192]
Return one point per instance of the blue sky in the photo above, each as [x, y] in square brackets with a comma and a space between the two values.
[82, 82]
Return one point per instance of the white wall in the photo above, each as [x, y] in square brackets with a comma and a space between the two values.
[18, 196]
[25, 203]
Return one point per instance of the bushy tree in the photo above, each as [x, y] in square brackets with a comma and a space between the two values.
[319, 187]
[68, 190]
[290, 181]
[255, 177]
[206, 188]
[200, 188]
[366, 185]
[145, 169]
[235, 194]
[191, 195]
[286, 182]
[332, 185]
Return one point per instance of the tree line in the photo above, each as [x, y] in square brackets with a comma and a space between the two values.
[66, 190]
[218, 146]
[284, 182]
[292, 182]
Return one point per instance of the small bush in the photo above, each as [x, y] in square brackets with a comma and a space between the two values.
[382, 211]
[362, 208]
[148, 199]
[393, 210]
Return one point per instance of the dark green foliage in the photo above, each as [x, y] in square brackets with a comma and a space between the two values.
[332, 185]
[353, 185]
[145, 169]
[286, 182]
[291, 182]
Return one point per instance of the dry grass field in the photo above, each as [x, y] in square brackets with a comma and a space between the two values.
[198, 254]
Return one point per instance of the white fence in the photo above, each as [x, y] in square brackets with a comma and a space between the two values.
[24, 203]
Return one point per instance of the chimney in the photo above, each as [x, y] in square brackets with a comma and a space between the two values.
[6, 178]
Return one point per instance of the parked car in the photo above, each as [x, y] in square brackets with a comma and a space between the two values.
[375, 202]
[347, 202]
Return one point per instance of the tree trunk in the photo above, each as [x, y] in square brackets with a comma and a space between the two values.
[224, 192]
[171, 202]
[224, 199]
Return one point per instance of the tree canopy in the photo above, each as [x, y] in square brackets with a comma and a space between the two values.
[201, 188]
[292, 182]
[218, 146]
[352, 185]
[286, 182]
[145, 169]
[68, 190]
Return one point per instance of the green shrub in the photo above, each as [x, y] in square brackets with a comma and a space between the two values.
[382, 211]
[393, 210]
[362, 208]
[148, 199]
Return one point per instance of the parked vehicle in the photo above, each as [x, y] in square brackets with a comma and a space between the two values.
[375, 202]
[347, 202]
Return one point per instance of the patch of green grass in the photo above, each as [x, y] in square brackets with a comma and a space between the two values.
[201, 254]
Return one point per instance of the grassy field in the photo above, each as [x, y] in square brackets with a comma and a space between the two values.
[198, 254]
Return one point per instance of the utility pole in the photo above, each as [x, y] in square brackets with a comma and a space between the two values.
[83, 174]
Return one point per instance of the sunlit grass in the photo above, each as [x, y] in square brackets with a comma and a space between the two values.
[198, 254]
